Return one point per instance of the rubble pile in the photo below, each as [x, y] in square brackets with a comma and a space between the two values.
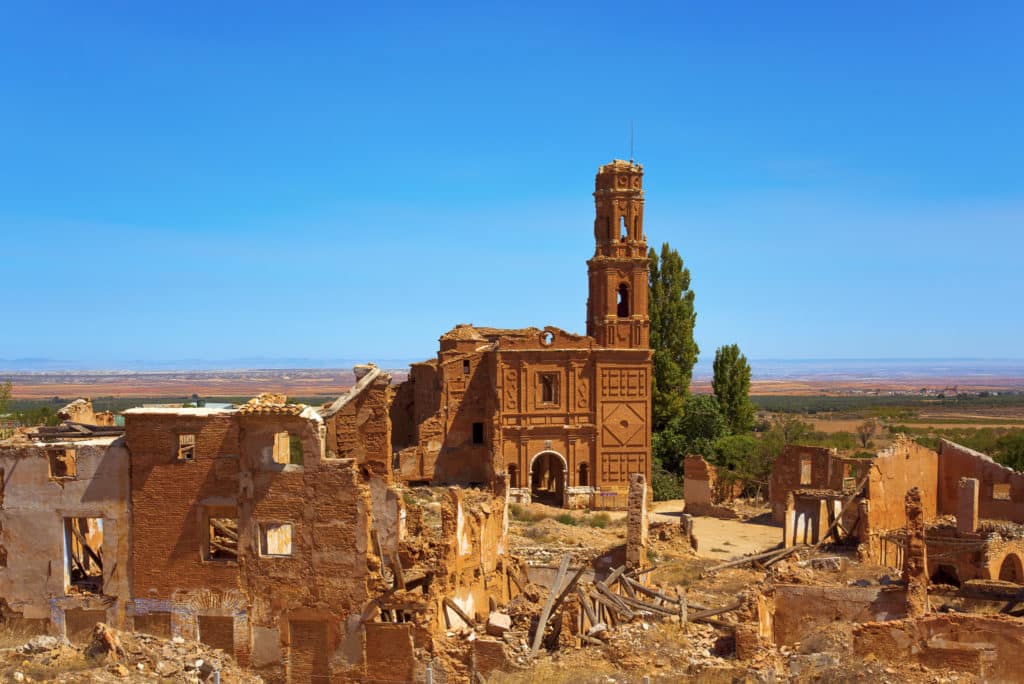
[112, 655]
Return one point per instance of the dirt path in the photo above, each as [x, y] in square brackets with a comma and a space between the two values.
[721, 539]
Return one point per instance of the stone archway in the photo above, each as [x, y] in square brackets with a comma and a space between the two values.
[548, 474]
[1011, 569]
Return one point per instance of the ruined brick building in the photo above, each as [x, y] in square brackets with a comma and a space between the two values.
[271, 530]
[566, 416]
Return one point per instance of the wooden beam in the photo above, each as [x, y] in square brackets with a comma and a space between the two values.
[849, 502]
[538, 636]
[587, 608]
[568, 588]
[458, 611]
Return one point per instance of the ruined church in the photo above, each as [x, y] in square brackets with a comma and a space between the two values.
[567, 417]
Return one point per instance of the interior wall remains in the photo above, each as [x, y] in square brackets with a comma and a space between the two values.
[34, 508]
[955, 462]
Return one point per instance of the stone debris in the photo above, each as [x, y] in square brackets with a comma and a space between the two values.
[113, 655]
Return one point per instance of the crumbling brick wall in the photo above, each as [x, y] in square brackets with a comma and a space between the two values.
[703, 490]
[78, 411]
[358, 425]
[172, 500]
[984, 645]
[956, 461]
[35, 505]
[799, 467]
[903, 465]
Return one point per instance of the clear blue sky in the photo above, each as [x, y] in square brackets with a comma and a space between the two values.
[239, 179]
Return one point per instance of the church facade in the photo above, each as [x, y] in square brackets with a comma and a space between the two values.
[567, 417]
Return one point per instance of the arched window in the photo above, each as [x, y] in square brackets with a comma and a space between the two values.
[623, 307]
[584, 478]
[513, 476]
[623, 231]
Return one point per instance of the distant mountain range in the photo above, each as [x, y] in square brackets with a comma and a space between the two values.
[840, 369]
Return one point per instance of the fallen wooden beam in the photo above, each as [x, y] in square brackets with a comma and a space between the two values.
[741, 561]
[613, 601]
[653, 593]
[716, 611]
[458, 611]
[587, 608]
[612, 607]
[538, 636]
[649, 607]
[849, 502]
[568, 588]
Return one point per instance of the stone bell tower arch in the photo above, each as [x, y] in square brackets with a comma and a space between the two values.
[617, 306]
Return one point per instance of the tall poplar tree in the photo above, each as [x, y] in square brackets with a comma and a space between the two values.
[731, 384]
[672, 320]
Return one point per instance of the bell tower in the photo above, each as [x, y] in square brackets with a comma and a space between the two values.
[617, 305]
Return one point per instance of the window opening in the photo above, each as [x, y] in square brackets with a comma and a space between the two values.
[623, 231]
[221, 535]
[276, 539]
[805, 471]
[623, 303]
[295, 449]
[186, 447]
[478, 433]
[63, 463]
[465, 366]
[83, 544]
[547, 388]
[584, 479]
[513, 476]
[287, 449]
[1001, 491]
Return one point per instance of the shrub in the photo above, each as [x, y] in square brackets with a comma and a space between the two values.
[664, 484]
[566, 519]
[599, 520]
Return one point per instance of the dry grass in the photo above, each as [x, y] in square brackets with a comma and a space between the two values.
[14, 634]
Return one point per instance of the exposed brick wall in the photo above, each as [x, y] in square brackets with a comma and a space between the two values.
[166, 497]
[895, 470]
[956, 461]
[362, 429]
[217, 632]
[786, 470]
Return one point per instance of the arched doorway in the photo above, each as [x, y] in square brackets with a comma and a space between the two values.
[1011, 569]
[547, 478]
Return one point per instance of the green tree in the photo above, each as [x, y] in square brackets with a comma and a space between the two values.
[703, 423]
[694, 432]
[731, 384]
[670, 307]
[740, 458]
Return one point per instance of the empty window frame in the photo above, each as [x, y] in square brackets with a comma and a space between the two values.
[622, 305]
[83, 549]
[63, 463]
[465, 366]
[275, 539]
[220, 540]
[287, 449]
[584, 476]
[1001, 491]
[805, 471]
[186, 447]
[513, 476]
[478, 433]
[548, 388]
